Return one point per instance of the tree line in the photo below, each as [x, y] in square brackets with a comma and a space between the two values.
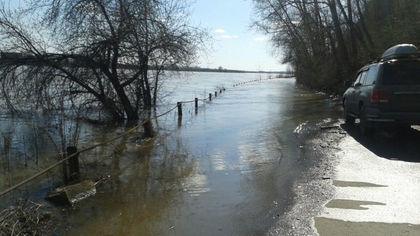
[98, 36]
[327, 41]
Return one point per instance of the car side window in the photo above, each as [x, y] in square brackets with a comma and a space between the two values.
[363, 77]
[357, 79]
[371, 75]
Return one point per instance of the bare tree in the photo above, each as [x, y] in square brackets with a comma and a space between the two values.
[92, 53]
[327, 40]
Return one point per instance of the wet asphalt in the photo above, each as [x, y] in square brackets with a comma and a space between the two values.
[376, 184]
[358, 185]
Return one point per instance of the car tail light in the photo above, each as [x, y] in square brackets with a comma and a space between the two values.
[379, 96]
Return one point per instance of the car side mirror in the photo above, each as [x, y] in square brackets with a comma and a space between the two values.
[347, 83]
[358, 85]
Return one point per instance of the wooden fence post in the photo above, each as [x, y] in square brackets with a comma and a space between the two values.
[74, 168]
[209, 96]
[196, 105]
[215, 94]
[65, 172]
[179, 105]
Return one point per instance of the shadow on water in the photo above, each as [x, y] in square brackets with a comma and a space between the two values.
[392, 144]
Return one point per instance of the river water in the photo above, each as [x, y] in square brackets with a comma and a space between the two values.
[226, 170]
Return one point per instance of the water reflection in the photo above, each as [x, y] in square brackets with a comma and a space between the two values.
[219, 160]
[144, 184]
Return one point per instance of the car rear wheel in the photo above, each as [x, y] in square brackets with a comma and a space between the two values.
[403, 128]
[366, 128]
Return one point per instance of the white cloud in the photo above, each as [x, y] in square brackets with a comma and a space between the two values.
[219, 31]
[229, 36]
[261, 39]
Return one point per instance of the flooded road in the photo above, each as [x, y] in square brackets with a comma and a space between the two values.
[227, 170]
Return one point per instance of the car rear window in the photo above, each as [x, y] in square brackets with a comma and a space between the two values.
[401, 73]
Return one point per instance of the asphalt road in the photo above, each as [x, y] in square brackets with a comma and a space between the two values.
[356, 186]
[376, 185]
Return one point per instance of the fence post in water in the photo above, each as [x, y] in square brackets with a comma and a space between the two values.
[179, 105]
[209, 96]
[215, 94]
[220, 91]
[65, 172]
[74, 169]
[196, 105]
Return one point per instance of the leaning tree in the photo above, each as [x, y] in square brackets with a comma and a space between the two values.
[102, 55]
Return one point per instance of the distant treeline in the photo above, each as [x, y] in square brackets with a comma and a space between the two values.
[326, 42]
[223, 70]
[13, 58]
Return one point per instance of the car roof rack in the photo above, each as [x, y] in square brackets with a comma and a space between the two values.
[400, 51]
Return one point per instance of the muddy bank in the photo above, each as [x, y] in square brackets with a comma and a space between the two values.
[313, 188]
[29, 218]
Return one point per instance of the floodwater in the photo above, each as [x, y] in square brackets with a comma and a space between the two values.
[226, 170]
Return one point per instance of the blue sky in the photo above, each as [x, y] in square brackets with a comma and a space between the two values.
[235, 45]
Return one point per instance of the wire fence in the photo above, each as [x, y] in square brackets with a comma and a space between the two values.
[254, 81]
[75, 154]
[127, 132]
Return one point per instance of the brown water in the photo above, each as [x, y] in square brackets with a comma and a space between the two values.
[228, 170]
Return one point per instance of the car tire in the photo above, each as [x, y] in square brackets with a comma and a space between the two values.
[366, 128]
[349, 120]
[403, 129]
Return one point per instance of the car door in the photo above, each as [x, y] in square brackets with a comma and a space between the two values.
[358, 91]
[368, 83]
[351, 95]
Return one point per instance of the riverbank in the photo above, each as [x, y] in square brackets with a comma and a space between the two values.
[313, 188]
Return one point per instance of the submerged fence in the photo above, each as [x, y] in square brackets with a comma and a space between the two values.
[72, 155]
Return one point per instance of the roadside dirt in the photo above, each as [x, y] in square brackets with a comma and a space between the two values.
[28, 218]
[314, 188]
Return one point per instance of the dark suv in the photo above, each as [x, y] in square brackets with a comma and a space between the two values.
[386, 93]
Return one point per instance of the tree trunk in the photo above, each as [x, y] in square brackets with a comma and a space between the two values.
[342, 48]
[147, 96]
[364, 27]
[125, 102]
[112, 109]
[155, 89]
